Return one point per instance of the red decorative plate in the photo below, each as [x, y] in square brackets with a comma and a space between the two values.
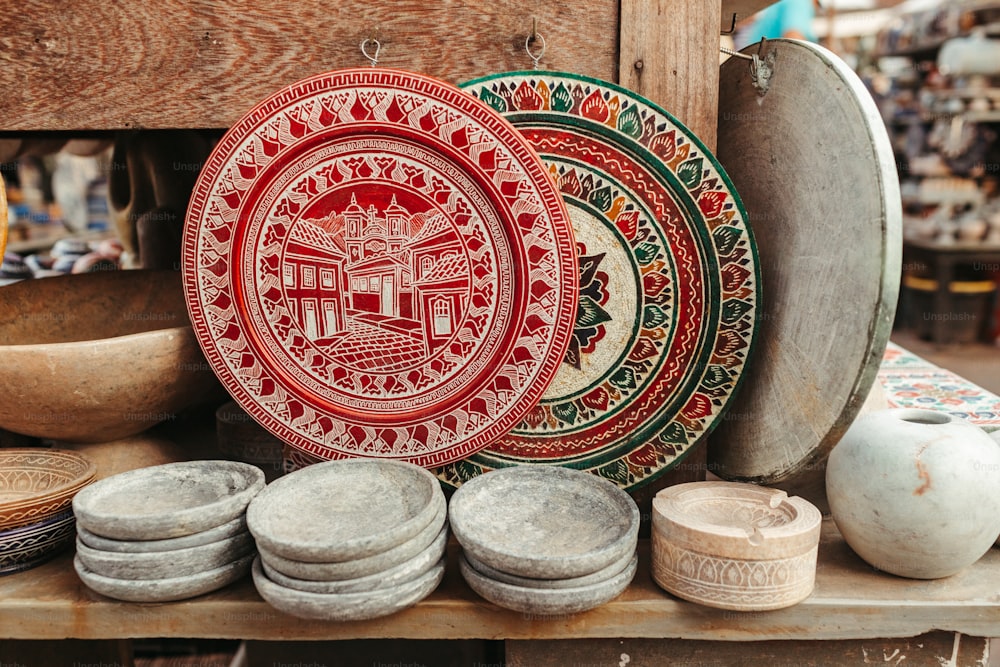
[377, 264]
[669, 280]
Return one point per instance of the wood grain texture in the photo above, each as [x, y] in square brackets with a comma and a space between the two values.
[928, 650]
[202, 64]
[176, 64]
[670, 55]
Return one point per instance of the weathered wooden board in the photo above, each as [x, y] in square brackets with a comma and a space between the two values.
[670, 54]
[93, 64]
[742, 8]
[929, 650]
[176, 64]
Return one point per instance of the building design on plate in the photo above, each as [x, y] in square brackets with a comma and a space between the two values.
[377, 286]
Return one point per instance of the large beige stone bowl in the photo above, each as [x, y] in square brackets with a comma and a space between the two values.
[98, 356]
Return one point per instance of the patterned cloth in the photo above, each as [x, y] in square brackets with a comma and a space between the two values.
[912, 382]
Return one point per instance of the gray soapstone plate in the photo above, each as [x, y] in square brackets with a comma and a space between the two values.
[344, 510]
[363, 567]
[164, 564]
[816, 171]
[548, 601]
[347, 606]
[609, 572]
[229, 529]
[169, 500]
[544, 522]
[395, 576]
[164, 590]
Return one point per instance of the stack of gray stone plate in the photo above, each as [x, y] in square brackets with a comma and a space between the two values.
[349, 540]
[545, 540]
[166, 532]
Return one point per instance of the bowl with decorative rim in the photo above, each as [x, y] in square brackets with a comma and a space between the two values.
[94, 357]
[37, 483]
[26, 546]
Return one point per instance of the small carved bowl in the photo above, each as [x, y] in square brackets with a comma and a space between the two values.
[37, 483]
[99, 356]
[24, 547]
[734, 546]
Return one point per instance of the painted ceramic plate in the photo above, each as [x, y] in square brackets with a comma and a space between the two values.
[668, 282]
[832, 262]
[377, 264]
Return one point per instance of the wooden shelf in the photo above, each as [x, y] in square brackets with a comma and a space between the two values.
[851, 600]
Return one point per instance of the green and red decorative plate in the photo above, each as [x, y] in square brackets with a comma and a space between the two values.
[669, 281]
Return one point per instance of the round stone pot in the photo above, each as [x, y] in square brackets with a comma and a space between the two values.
[915, 492]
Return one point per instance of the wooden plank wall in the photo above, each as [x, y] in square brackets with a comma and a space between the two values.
[102, 64]
[670, 54]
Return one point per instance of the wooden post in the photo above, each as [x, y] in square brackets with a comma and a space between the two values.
[669, 53]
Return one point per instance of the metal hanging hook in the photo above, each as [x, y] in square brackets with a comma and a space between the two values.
[371, 40]
[761, 66]
[535, 36]
[732, 27]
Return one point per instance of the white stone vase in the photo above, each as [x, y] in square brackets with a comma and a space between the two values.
[915, 492]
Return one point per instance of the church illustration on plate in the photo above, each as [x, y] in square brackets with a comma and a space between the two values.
[390, 275]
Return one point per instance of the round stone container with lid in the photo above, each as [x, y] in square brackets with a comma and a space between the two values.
[734, 546]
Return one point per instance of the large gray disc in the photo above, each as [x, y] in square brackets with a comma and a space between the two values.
[811, 160]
